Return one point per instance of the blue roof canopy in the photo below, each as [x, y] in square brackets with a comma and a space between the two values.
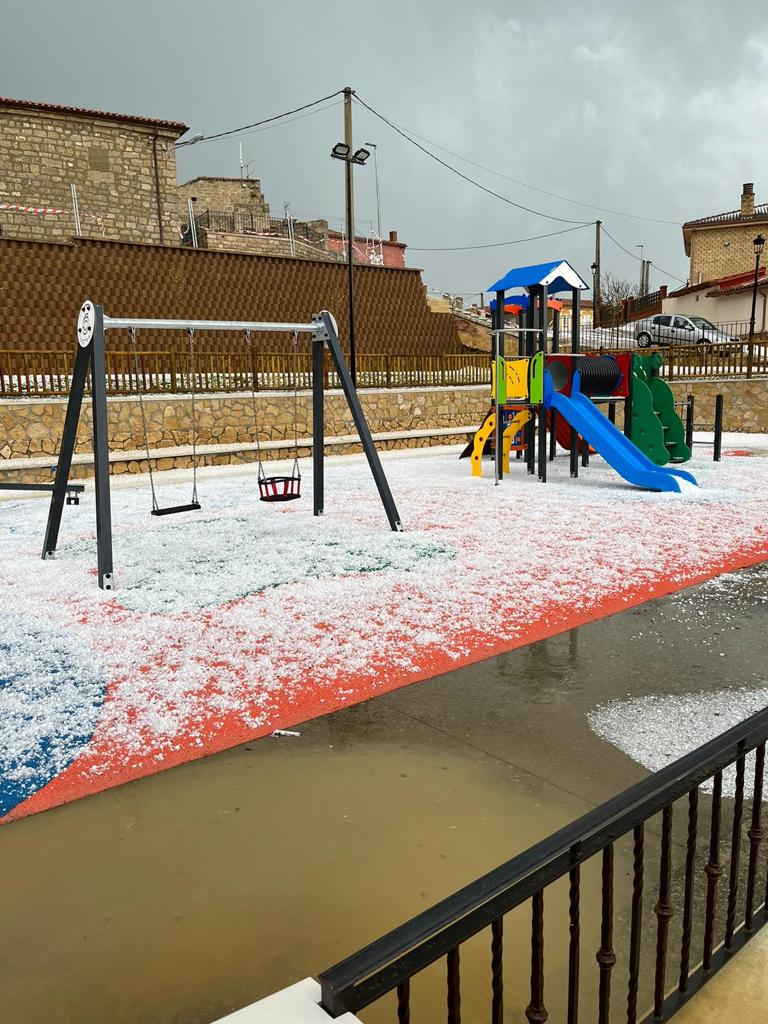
[558, 276]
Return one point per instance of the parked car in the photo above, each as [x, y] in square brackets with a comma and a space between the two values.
[668, 329]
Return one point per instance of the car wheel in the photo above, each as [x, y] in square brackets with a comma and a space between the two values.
[644, 340]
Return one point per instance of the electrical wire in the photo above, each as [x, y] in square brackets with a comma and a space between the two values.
[267, 120]
[496, 245]
[634, 256]
[280, 124]
[535, 188]
[460, 174]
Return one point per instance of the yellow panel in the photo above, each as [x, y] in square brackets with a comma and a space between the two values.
[517, 379]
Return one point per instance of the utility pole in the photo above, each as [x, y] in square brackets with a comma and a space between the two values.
[596, 293]
[350, 204]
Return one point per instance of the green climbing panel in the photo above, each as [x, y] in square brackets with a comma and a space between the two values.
[657, 430]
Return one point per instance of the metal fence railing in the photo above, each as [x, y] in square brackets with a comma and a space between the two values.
[248, 222]
[637, 917]
[48, 374]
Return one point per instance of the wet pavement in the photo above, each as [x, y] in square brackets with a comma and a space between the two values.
[183, 896]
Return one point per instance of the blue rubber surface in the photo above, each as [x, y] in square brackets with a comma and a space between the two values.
[51, 695]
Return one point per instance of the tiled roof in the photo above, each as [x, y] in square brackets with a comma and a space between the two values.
[54, 108]
[760, 213]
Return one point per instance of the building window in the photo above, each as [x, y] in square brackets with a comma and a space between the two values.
[98, 158]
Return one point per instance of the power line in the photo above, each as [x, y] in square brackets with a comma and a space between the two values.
[634, 256]
[496, 245]
[535, 188]
[267, 120]
[280, 124]
[455, 170]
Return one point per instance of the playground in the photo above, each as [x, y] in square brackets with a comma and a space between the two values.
[234, 611]
[246, 617]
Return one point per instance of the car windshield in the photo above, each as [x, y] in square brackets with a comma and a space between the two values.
[701, 323]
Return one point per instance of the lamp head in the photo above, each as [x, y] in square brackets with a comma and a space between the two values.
[360, 155]
[759, 244]
[340, 151]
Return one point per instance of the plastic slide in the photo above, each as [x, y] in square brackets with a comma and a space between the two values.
[617, 450]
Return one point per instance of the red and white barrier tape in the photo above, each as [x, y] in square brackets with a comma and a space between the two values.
[30, 209]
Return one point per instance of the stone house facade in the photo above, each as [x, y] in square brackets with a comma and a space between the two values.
[123, 168]
[232, 214]
[720, 246]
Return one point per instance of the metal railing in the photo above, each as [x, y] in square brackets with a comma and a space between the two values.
[652, 834]
[48, 374]
[248, 222]
[25, 373]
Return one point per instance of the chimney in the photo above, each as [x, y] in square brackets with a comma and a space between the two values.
[393, 236]
[747, 199]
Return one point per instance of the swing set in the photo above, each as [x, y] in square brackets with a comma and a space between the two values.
[90, 359]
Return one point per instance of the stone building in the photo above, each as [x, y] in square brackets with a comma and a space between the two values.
[720, 245]
[232, 214]
[123, 168]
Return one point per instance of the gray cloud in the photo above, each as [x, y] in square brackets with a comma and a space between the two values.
[655, 109]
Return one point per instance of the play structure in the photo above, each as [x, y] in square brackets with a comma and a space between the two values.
[92, 325]
[540, 395]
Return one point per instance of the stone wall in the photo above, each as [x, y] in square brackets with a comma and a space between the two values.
[112, 164]
[228, 195]
[745, 402]
[263, 245]
[30, 428]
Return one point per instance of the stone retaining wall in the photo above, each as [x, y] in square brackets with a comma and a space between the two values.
[32, 428]
[745, 402]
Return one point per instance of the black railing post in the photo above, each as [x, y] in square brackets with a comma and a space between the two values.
[718, 427]
[690, 865]
[756, 836]
[713, 871]
[536, 1011]
[689, 421]
[574, 930]
[636, 925]
[606, 957]
[497, 971]
[454, 986]
[733, 872]
[663, 910]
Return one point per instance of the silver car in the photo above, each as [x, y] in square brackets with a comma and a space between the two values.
[670, 329]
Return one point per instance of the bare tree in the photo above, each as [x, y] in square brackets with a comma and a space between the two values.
[613, 292]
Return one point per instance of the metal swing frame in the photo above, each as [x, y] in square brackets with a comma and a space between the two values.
[92, 326]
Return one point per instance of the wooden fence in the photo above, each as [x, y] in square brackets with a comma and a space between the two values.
[48, 374]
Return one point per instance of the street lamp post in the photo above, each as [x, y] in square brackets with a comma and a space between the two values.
[341, 151]
[759, 244]
[594, 296]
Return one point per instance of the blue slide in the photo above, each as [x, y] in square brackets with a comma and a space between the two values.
[617, 450]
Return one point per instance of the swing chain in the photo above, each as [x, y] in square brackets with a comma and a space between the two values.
[262, 474]
[140, 391]
[296, 470]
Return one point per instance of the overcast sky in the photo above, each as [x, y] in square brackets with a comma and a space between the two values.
[653, 109]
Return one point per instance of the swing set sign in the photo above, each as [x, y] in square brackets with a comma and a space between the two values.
[85, 324]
